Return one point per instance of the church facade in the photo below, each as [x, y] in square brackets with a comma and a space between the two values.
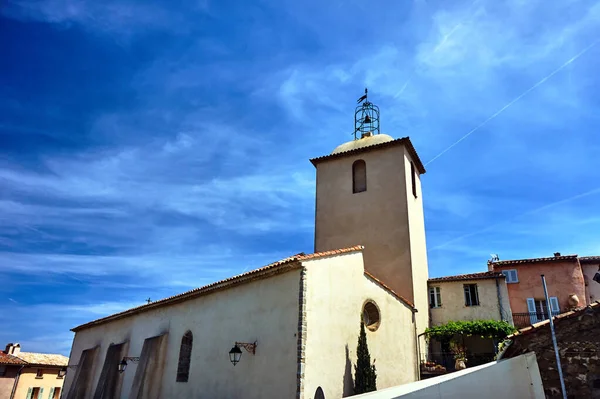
[295, 323]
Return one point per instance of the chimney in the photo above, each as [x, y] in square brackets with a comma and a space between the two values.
[557, 254]
[366, 134]
[13, 349]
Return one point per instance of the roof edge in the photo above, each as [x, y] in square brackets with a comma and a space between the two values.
[382, 285]
[467, 277]
[403, 140]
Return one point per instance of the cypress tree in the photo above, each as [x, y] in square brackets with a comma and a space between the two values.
[365, 374]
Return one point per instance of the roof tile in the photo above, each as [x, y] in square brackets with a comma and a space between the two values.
[471, 276]
[533, 260]
[43, 359]
[5, 358]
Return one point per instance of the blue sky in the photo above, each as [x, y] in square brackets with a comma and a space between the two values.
[150, 147]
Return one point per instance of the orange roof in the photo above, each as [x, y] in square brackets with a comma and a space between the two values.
[5, 358]
[402, 141]
[286, 264]
[472, 276]
[589, 259]
[533, 260]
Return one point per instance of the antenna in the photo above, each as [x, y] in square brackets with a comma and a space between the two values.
[148, 300]
[495, 257]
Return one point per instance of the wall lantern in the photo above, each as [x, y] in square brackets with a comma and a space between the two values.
[62, 372]
[235, 354]
[123, 364]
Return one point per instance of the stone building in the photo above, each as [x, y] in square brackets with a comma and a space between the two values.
[578, 338]
[31, 375]
[296, 321]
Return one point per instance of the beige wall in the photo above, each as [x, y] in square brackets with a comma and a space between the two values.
[453, 302]
[508, 379]
[336, 291]
[264, 310]
[592, 288]
[386, 219]
[28, 380]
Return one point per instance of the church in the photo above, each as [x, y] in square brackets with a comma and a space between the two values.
[288, 329]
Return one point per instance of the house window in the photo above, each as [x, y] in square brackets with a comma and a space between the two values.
[511, 276]
[471, 295]
[538, 309]
[413, 174]
[435, 297]
[2, 371]
[185, 357]
[371, 316]
[359, 176]
[35, 393]
[39, 374]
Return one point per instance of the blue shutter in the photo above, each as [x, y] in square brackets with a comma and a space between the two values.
[40, 393]
[29, 393]
[51, 396]
[532, 312]
[554, 305]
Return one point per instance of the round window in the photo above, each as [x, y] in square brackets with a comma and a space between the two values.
[371, 316]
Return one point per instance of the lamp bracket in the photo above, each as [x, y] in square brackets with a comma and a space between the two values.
[131, 359]
[73, 366]
[250, 347]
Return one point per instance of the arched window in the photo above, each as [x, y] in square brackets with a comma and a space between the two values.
[319, 394]
[359, 176]
[185, 357]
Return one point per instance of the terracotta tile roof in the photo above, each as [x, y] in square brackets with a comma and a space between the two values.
[595, 307]
[5, 358]
[391, 291]
[589, 259]
[289, 263]
[43, 359]
[533, 260]
[472, 276]
[404, 140]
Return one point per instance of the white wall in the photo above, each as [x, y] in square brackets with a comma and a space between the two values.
[264, 310]
[336, 291]
[518, 377]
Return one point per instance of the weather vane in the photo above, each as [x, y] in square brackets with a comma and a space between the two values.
[366, 117]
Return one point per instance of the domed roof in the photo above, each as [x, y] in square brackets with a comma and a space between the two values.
[364, 142]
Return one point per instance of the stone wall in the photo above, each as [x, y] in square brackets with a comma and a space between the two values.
[578, 337]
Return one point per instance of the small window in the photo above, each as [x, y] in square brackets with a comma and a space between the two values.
[39, 374]
[435, 297]
[371, 316]
[185, 357]
[471, 295]
[413, 174]
[2, 371]
[359, 176]
[319, 394]
[511, 276]
[56, 394]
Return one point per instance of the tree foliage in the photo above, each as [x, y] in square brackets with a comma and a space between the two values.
[365, 374]
[483, 328]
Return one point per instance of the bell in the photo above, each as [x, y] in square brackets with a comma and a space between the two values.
[367, 119]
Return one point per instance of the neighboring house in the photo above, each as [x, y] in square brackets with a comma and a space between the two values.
[467, 297]
[590, 266]
[304, 311]
[32, 375]
[564, 278]
[578, 339]
[476, 296]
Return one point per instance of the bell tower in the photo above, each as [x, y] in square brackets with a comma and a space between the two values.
[369, 193]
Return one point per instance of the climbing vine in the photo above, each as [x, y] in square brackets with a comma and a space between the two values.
[483, 328]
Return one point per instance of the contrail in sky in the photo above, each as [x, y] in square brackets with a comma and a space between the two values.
[536, 210]
[560, 68]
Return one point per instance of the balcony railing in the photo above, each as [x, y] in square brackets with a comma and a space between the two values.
[523, 320]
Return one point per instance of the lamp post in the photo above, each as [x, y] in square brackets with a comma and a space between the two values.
[62, 372]
[235, 354]
[123, 363]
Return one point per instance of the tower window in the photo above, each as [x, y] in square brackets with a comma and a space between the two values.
[185, 357]
[371, 316]
[359, 176]
[413, 175]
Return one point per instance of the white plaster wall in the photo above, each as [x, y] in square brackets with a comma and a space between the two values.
[592, 288]
[453, 302]
[336, 291]
[518, 377]
[264, 310]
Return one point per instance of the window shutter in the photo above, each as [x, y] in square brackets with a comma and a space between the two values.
[532, 312]
[51, 396]
[29, 393]
[439, 296]
[514, 278]
[40, 393]
[554, 305]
